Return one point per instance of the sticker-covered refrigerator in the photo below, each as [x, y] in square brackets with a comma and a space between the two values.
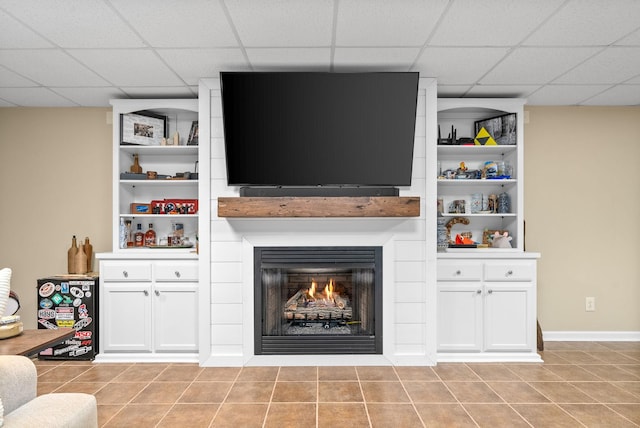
[70, 301]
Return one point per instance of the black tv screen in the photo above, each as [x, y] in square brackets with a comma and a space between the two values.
[319, 129]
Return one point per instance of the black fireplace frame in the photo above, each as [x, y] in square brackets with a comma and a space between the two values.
[333, 256]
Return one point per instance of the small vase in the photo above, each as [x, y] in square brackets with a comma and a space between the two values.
[5, 288]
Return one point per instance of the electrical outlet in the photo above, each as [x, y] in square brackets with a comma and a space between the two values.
[590, 304]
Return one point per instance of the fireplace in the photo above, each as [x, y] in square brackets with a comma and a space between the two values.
[318, 300]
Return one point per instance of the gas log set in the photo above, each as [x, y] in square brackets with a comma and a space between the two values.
[325, 304]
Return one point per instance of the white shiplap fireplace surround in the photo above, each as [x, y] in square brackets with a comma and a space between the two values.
[409, 255]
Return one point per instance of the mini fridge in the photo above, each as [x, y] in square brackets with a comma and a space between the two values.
[70, 301]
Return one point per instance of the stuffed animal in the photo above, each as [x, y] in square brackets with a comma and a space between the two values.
[501, 241]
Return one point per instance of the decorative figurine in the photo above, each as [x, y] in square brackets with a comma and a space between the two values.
[501, 241]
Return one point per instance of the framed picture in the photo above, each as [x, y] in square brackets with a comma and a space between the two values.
[142, 128]
[193, 134]
[487, 236]
[501, 128]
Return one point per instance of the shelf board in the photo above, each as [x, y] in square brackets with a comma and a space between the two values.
[465, 182]
[159, 150]
[479, 215]
[160, 182]
[159, 215]
[374, 206]
[468, 150]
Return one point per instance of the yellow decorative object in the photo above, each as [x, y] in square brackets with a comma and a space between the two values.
[484, 138]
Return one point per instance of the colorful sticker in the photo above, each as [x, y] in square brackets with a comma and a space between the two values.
[76, 292]
[57, 298]
[77, 302]
[82, 323]
[48, 324]
[86, 287]
[47, 289]
[87, 294]
[82, 335]
[46, 303]
[82, 311]
[65, 313]
[64, 323]
[47, 314]
[64, 287]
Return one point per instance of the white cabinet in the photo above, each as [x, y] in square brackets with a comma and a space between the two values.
[462, 114]
[487, 308]
[148, 310]
[134, 195]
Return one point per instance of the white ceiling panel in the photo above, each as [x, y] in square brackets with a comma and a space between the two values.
[116, 66]
[536, 65]
[160, 92]
[193, 64]
[379, 59]
[491, 22]
[193, 23]
[49, 67]
[34, 97]
[384, 23]
[293, 59]
[588, 22]
[452, 91]
[564, 94]
[624, 95]
[632, 39]
[598, 69]
[14, 34]
[503, 91]
[10, 79]
[90, 97]
[75, 23]
[458, 65]
[282, 23]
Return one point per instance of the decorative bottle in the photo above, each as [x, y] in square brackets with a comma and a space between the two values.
[150, 236]
[139, 236]
[123, 234]
[71, 256]
[128, 234]
[81, 261]
[88, 250]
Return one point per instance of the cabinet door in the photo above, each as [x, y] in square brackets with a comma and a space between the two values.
[176, 317]
[459, 317]
[127, 324]
[508, 320]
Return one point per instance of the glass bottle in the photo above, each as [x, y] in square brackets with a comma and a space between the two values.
[139, 236]
[71, 255]
[128, 234]
[150, 236]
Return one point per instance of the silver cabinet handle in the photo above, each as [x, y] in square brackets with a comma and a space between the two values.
[125, 274]
[157, 293]
[177, 273]
[146, 293]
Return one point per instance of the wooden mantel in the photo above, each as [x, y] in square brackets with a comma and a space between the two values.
[367, 206]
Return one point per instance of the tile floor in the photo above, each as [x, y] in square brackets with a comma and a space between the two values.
[592, 384]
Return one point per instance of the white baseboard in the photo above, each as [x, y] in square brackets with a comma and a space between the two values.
[591, 336]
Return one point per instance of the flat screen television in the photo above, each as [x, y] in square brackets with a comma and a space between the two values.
[319, 130]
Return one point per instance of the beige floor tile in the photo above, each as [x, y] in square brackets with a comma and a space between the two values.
[260, 374]
[629, 411]
[232, 415]
[106, 412]
[63, 373]
[429, 392]
[632, 387]
[495, 415]
[517, 392]
[83, 387]
[337, 373]
[554, 357]
[161, 393]
[561, 392]
[339, 391]
[450, 371]
[101, 373]
[290, 392]
[605, 392]
[571, 372]
[533, 372]
[384, 392]
[250, 392]
[473, 392]
[375, 373]
[612, 357]
[546, 415]
[291, 415]
[219, 374]
[444, 415]
[299, 374]
[138, 415]
[633, 369]
[179, 373]
[49, 387]
[206, 392]
[597, 415]
[488, 372]
[191, 415]
[119, 393]
[575, 357]
[609, 372]
[333, 415]
[393, 415]
[416, 373]
[141, 373]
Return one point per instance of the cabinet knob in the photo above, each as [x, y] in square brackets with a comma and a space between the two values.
[146, 293]
[458, 272]
[490, 291]
[177, 274]
[479, 292]
[125, 274]
[509, 272]
[157, 293]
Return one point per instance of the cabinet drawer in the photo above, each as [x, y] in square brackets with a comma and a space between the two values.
[509, 271]
[125, 271]
[172, 271]
[456, 271]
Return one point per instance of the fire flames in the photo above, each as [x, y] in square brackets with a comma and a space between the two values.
[326, 296]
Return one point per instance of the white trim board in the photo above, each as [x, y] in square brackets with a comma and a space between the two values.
[591, 336]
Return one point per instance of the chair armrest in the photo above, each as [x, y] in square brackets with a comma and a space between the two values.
[18, 381]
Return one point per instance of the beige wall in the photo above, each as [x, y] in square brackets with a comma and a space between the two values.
[582, 199]
[581, 185]
[55, 182]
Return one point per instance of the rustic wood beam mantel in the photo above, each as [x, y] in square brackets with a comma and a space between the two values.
[368, 206]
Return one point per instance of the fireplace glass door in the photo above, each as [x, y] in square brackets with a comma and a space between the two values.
[318, 300]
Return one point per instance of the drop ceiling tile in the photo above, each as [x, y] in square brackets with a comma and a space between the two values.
[160, 92]
[491, 22]
[622, 95]
[452, 91]
[458, 65]
[193, 64]
[632, 39]
[49, 67]
[282, 23]
[34, 97]
[194, 23]
[294, 59]
[563, 95]
[128, 67]
[536, 65]
[380, 59]
[9, 79]
[90, 97]
[4, 103]
[588, 22]
[612, 65]
[14, 34]
[501, 91]
[386, 23]
[74, 23]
